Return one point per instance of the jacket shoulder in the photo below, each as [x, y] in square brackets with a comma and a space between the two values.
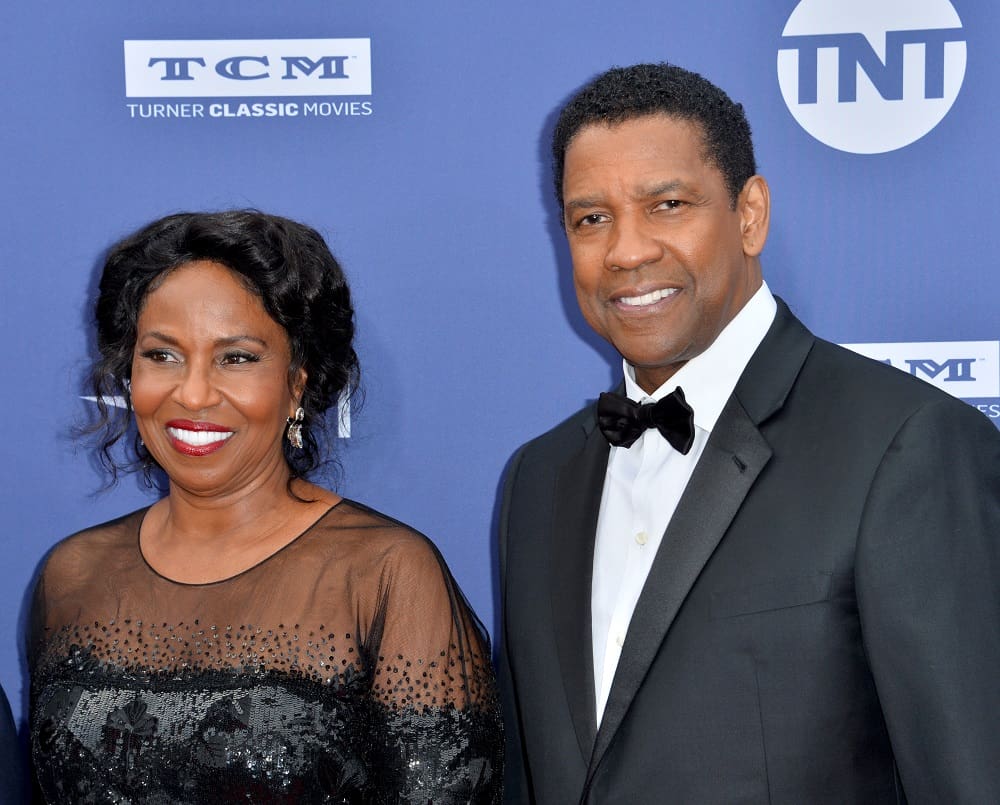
[565, 437]
[794, 366]
[876, 381]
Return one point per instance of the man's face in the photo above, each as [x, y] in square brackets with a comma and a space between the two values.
[661, 263]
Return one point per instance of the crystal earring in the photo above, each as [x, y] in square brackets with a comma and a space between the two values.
[295, 428]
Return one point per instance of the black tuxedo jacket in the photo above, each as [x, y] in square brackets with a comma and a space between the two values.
[13, 788]
[821, 623]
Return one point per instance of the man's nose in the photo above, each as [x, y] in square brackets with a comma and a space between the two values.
[632, 245]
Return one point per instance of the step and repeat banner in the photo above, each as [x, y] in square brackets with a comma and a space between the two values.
[415, 136]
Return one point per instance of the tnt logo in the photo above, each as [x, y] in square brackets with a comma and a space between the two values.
[870, 76]
[966, 369]
[223, 68]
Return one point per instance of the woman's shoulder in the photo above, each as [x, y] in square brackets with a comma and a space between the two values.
[93, 549]
[380, 538]
[409, 583]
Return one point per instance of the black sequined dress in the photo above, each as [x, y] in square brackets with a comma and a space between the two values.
[345, 668]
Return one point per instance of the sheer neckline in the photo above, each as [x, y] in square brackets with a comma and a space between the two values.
[301, 535]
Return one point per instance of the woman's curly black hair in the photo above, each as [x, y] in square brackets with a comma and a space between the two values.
[286, 264]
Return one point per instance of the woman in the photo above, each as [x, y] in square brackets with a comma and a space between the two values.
[251, 637]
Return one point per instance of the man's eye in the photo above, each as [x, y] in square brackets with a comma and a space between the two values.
[670, 204]
[592, 219]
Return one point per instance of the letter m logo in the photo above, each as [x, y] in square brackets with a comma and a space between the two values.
[957, 370]
[968, 378]
[328, 66]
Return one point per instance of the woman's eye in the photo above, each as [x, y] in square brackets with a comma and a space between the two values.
[159, 356]
[237, 358]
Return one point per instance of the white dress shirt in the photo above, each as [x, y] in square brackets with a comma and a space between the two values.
[644, 482]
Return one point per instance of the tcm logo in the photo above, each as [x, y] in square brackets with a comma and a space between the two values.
[966, 369]
[223, 68]
[870, 76]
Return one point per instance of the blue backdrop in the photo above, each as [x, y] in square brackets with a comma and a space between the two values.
[432, 186]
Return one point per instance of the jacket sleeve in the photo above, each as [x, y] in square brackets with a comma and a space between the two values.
[516, 784]
[928, 588]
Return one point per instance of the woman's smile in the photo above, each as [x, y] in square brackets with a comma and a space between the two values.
[197, 438]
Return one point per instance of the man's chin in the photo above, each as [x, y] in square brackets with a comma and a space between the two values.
[651, 373]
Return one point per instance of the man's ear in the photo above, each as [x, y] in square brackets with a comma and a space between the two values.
[754, 206]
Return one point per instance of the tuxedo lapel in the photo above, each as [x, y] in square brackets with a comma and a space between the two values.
[577, 504]
[734, 456]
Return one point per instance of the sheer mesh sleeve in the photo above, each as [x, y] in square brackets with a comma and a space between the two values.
[434, 699]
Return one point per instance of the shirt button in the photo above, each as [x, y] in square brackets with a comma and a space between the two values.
[620, 640]
[642, 538]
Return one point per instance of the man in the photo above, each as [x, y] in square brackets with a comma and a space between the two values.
[788, 596]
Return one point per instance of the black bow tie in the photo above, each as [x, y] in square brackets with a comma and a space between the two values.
[623, 421]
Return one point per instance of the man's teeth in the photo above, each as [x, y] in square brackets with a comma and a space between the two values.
[199, 438]
[648, 298]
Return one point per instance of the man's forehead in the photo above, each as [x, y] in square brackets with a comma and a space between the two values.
[679, 134]
[675, 145]
[682, 127]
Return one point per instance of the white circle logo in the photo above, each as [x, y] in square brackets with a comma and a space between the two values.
[870, 76]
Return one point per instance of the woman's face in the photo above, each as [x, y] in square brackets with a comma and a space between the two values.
[210, 383]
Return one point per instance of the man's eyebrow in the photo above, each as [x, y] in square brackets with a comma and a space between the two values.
[658, 189]
[662, 188]
[583, 203]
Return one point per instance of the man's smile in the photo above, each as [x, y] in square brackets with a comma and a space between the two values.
[642, 299]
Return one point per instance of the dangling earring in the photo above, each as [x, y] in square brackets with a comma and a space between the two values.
[295, 428]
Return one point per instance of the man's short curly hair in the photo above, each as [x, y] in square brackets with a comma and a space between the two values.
[624, 93]
[287, 265]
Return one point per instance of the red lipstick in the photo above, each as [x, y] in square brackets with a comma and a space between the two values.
[187, 424]
[190, 438]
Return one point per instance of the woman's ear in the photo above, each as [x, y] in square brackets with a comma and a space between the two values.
[297, 386]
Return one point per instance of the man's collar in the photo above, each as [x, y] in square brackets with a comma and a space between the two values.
[708, 379]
